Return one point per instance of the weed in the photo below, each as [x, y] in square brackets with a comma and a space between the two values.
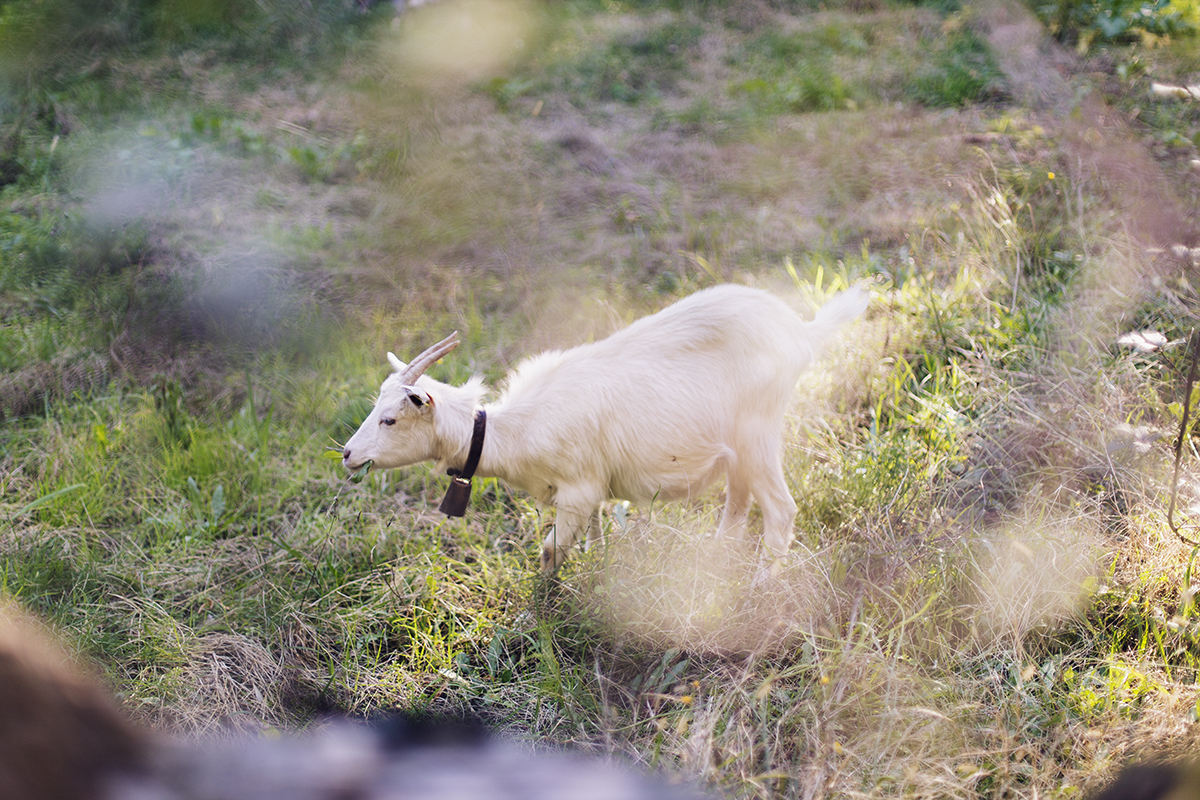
[962, 72]
[980, 600]
[636, 68]
[505, 90]
[809, 90]
[1085, 22]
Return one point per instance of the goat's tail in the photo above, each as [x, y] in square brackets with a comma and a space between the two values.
[842, 309]
[811, 338]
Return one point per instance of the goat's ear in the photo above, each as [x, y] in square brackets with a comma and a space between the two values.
[396, 363]
[418, 398]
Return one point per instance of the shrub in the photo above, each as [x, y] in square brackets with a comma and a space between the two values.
[1083, 22]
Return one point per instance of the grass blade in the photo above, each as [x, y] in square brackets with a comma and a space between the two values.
[46, 498]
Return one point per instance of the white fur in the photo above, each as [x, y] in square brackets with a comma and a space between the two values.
[657, 410]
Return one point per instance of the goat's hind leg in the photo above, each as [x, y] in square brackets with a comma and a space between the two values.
[737, 508]
[779, 512]
[761, 467]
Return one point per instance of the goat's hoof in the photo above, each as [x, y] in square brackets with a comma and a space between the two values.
[768, 573]
[550, 560]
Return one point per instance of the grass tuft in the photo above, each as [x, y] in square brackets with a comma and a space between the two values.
[207, 248]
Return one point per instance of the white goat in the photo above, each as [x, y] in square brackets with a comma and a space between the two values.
[656, 410]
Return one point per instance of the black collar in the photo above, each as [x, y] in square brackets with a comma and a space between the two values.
[454, 504]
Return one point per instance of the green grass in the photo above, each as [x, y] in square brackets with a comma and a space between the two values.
[983, 598]
[962, 72]
[833, 66]
[632, 68]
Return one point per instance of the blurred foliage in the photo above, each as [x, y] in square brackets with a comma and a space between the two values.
[43, 41]
[53, 52]
[789, 6]
[156, 494]
[1086, 22]
[641, 65]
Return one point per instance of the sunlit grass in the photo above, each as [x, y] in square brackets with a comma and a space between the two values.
[982, 599]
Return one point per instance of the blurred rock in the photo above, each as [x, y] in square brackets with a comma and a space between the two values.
[63, 738]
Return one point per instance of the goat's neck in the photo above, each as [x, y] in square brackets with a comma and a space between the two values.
[454, 422]
[501, 445]
[503, 440]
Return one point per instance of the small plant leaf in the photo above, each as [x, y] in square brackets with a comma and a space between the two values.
[361, 473]
[218, 502]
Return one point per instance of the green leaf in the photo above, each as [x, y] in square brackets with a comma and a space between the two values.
[362, 472]
[218, 502]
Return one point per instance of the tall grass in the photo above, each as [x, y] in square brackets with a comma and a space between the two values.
[982, 599]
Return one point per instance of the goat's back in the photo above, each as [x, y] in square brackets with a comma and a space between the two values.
[679, 391]
[729, 341]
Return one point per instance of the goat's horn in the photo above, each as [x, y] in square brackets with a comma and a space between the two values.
[416, 368]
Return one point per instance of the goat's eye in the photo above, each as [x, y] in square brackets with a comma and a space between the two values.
[389, 421]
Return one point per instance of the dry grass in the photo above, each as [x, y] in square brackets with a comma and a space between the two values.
[982, 600]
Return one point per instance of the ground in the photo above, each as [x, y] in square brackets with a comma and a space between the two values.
[205, 257]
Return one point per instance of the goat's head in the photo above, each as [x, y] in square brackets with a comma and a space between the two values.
[399, 431]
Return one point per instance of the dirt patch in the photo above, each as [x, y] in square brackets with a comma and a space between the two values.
[1099, 146]
[29, 389]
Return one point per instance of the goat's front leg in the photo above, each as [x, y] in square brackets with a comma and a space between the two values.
[573, 522]
[593, 530]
